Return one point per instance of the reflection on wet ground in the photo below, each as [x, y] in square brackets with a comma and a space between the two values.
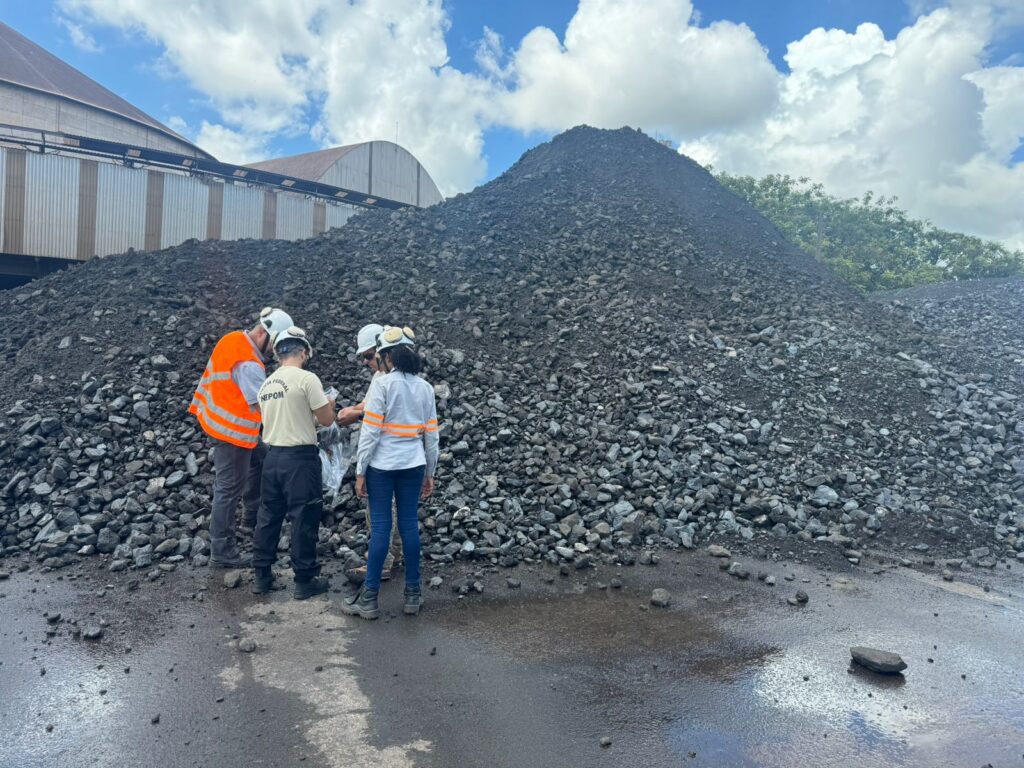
[756, 686]
[729, 675]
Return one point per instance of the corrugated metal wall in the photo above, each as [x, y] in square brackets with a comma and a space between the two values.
[3, 189]
[243, 212]
[352, 171]
[120, 209]
[184, 210]
[394, 172]
[337, 215]
[386, 169]
[75, 208]
[51, 205]
[294, 218]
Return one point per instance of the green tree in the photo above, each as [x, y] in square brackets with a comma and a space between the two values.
[870, 241]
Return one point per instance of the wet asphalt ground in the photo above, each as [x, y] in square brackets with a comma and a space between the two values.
[729, 675]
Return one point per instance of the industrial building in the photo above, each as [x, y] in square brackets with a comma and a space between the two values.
[84, 173]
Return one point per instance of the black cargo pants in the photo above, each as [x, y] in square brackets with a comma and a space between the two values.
[292, 486]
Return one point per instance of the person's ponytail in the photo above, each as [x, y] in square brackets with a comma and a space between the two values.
[406, 359]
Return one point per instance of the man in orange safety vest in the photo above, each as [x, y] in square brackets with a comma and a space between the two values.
[226, 403]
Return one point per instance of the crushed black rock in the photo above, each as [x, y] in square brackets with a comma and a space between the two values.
[627, 359]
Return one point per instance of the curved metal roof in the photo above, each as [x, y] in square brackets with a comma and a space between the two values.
[309, 165]
[24, 63]
[316, 166]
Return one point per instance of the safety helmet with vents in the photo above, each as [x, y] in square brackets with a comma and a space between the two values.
[274, 321]
[393, 336]
[291, 338]
[366, 339]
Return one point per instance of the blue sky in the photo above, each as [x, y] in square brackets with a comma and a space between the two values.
[494, 118]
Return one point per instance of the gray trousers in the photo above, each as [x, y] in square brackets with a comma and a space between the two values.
[232, 468]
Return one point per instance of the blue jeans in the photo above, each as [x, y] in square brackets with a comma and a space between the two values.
[404, 486]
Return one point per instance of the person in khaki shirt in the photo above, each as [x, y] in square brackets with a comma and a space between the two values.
[292, 402]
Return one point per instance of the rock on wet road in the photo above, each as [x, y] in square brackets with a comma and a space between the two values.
[561, 665]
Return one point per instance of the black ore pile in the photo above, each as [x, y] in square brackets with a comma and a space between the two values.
[626, 356]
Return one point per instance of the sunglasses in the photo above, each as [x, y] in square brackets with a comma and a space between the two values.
[368, 356]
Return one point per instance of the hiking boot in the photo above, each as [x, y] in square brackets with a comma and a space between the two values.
[362, 603]
[263, 581]
[413, 600]
[307, 589]
[233, 560]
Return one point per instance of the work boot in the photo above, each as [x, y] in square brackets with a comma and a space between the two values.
[307, 589]
[413, 600]
[263, 581]
[362, 603]
[234, 559]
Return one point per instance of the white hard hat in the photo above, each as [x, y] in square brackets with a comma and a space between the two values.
[275, 320]
[293, 334]
[393, 336]
[366, 339]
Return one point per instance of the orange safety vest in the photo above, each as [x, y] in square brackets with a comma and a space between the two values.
[218, 402]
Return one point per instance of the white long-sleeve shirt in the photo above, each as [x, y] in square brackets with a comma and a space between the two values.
[399, 425]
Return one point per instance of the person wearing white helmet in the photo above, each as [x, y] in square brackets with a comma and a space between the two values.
[293, 402]
[366, 351]
[395, 462]
[226, 405]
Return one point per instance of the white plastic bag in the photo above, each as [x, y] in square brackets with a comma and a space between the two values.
[335, 456]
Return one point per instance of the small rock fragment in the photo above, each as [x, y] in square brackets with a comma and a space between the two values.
[661, 598]
[883, 662]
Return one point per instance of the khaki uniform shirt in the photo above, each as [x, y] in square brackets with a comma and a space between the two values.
[287, 400]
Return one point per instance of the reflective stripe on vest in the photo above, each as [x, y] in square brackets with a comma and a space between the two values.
[218, 403]
[372, 419]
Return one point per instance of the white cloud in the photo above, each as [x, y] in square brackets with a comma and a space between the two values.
[385, 70]
[81, 39]
[231, 146]
[918, 116]
[638, 63]
[225, 144]
[1003, 118]
[249, 64]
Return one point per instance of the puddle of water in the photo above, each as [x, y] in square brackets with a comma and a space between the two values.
[591, 626]
[696, 746]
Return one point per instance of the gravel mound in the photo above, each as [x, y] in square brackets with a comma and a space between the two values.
[627, 357]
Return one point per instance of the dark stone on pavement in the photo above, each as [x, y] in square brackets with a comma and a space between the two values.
[883, 662]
